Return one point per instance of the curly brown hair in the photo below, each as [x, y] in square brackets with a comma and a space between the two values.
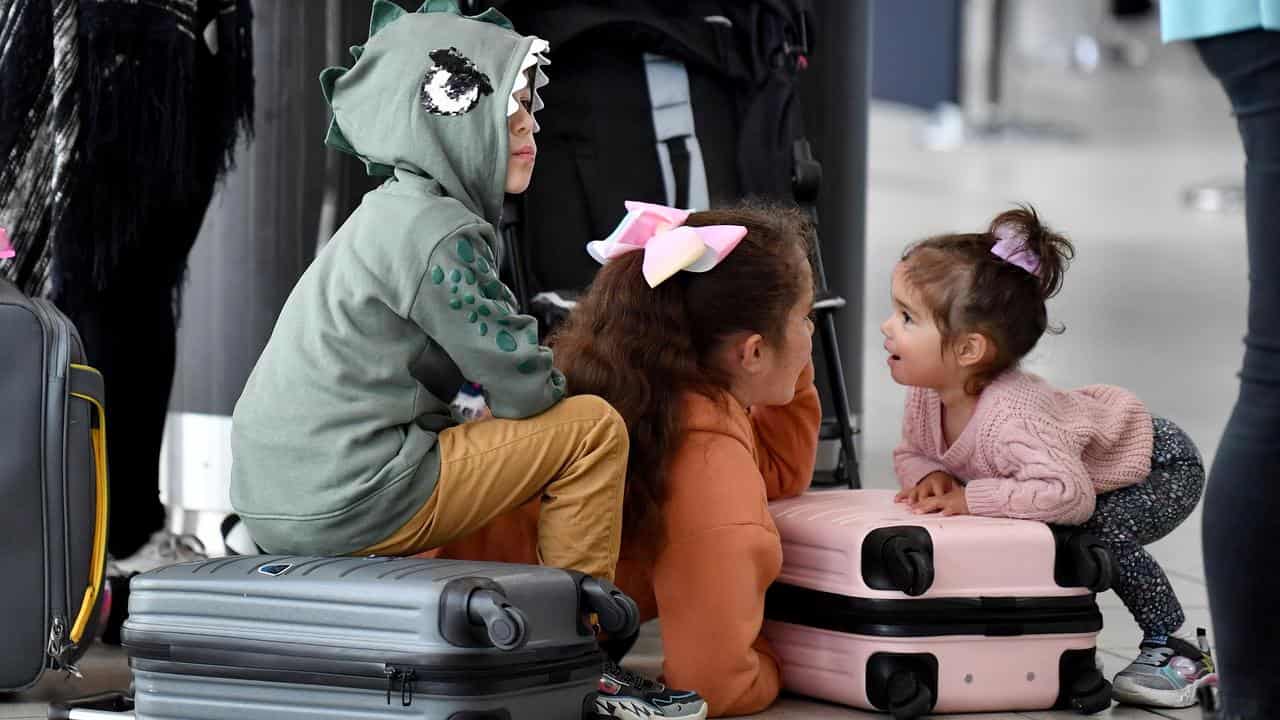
[642, 348]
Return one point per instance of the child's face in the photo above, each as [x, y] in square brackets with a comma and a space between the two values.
[913, 341]
[773, 381]
[521, 146]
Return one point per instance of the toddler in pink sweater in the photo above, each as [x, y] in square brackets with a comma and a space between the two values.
[981, 437]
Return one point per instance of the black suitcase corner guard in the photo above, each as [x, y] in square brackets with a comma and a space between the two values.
[898, 558]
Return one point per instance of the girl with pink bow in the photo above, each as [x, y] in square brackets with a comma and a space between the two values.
[697, 330]
[980, 436]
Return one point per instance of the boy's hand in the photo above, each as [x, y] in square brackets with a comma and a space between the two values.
[934, 484]
[952, 503]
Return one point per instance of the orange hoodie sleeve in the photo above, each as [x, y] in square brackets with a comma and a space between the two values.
[710, 578]
[786, 439]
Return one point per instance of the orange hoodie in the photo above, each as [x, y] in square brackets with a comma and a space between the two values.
[707, 581]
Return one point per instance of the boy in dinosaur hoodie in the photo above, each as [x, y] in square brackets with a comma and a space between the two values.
[343, 441]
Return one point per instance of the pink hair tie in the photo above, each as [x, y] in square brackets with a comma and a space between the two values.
[6, 251]
[1011, 246]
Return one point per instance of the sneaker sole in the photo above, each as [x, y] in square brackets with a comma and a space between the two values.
[627, 710]
[1150, 697]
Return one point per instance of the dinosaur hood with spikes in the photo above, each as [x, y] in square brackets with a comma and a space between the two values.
[430, 92]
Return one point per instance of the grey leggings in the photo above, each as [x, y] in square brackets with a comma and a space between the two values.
[1137, 515]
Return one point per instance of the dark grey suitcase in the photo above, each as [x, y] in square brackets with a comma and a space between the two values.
[286, 638]
[53, 491]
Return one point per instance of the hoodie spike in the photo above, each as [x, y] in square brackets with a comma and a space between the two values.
[491, 16]
[385, 12]
[336, 140]
[328, 77]
[375, 169]
[447, 6]
[357, 51]
[496, 18]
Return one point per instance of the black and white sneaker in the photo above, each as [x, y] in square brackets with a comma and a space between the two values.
[630, 696]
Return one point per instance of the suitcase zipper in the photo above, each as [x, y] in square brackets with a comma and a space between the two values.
[58, 647]
[60, 643]
[56, 347]
[404, 676]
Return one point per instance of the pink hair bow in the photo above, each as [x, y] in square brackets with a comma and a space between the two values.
[6, 250]
[669, 245]
[1011, 246]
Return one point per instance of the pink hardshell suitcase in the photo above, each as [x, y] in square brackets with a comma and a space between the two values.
[882, 609]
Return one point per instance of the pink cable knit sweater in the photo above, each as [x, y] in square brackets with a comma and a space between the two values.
[1031, 451]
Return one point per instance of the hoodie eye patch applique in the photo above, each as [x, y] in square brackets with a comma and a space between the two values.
[453, 85]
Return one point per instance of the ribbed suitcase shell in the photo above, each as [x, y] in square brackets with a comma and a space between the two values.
[278, 638]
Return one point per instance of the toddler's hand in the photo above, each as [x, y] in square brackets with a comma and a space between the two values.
[934, 484]
[952, 503]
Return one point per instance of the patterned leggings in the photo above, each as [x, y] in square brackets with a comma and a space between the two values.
[1128, 518]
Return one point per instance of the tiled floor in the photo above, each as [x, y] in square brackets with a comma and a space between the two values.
[1154, 301]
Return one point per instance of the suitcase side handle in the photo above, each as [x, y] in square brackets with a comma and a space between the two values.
[86, 384]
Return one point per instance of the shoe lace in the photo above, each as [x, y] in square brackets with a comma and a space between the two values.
[1154, 656]
[633, 679]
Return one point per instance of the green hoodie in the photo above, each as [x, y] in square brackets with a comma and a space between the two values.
[334, 440]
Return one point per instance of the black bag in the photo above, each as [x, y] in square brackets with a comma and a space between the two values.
[690, 104]
[53, 491]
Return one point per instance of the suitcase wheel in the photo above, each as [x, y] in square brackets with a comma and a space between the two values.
[1090, 693]
[618, 613]
[910, 569]
[1102, 565]
[1083, 561]
[506, 624]
[908, 697]
[898, 558]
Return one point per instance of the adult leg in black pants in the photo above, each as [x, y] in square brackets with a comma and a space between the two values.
[129, 329]
[1242, 503]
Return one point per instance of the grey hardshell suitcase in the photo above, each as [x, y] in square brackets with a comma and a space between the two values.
[284, 638]
[53, 491]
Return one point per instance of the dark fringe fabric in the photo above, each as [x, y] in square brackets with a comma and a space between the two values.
[160, 117]
[116, 119]
[39, 126]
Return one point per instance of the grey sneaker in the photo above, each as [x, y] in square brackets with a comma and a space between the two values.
[1167, 673]
[630, 696]
[164, 548]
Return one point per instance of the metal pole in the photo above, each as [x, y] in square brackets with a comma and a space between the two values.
[844, 52]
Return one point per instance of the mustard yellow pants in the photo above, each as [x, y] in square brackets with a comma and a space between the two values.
[574, 456]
